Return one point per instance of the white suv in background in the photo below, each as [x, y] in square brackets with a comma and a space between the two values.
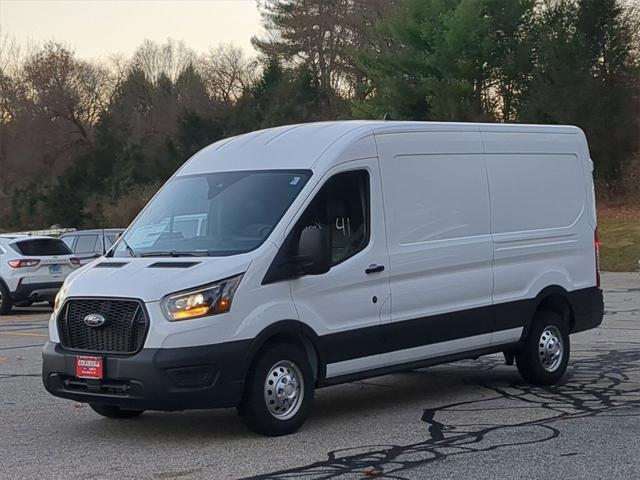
[32, 269]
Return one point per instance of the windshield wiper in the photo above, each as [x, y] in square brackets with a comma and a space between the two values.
[128, 247]
[170, 253]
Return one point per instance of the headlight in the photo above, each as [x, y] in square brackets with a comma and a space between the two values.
[208, 300]
[60, 298]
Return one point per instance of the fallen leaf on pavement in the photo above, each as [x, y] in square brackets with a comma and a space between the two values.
[373, 471]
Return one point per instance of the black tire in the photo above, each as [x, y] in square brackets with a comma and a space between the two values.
[536, 361]
[253, 408]
[114, 412]
[5, 300]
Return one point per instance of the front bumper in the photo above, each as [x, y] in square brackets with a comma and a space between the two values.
[209, 376]
[37, 292]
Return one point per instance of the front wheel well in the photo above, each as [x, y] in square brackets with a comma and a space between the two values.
[289, 333]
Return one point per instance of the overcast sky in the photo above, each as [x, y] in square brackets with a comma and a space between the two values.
[99, 28]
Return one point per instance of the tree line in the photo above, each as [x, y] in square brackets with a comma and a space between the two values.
[87, 143]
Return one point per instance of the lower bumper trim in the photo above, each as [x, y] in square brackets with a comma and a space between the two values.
[588, 308]
[36, 291]
[154, 379]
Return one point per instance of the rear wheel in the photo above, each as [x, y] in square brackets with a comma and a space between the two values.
[544, 356]
[279, 391]
[5, 300]
[114, 412]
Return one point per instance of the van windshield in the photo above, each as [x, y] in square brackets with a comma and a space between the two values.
[216, 214]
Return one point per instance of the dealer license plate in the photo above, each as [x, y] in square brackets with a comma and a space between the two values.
[89, 367]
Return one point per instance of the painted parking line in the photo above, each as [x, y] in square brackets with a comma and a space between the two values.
[10, 327]
[25, 334]
[25, 318]
[18, 347]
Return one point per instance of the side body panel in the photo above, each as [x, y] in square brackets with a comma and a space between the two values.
[542, 221]
[436, 200]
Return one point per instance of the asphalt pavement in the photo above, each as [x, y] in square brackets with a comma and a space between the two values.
[471, 419]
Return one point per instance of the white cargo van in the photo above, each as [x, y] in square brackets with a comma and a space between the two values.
[329, 252]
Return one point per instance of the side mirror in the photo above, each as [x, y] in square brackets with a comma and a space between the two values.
[314, 257]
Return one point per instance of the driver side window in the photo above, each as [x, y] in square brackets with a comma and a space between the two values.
[342, 208]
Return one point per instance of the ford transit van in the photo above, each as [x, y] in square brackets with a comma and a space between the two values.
[327, 252]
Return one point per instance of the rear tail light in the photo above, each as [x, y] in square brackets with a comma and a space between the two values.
[596, 246]
[23, 263]
[74, 261]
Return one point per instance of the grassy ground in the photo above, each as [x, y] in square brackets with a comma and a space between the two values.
[619, 229]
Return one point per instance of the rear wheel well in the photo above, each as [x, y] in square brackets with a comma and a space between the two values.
[558, 303]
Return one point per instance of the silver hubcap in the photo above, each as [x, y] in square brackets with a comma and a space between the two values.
[550, 348]
[284, 390]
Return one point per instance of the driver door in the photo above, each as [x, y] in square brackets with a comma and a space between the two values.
[347, 305]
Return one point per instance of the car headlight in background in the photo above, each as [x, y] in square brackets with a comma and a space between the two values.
[208, 300]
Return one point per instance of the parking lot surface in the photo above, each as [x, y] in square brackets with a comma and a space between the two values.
[471, 419]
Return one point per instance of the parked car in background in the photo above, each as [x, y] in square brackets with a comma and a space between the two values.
[32, 269]
[90, 244]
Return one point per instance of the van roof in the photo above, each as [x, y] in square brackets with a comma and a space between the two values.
[301, 146]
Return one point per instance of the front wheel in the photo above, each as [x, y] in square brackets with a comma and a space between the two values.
[279, 391]
[114, 412]
[544, 356]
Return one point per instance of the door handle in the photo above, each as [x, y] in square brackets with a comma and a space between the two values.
[374, 269]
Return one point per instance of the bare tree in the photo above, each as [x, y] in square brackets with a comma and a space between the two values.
[64, 88]
[13, 55]
[227, 72]
[169, 59]
[12, 59]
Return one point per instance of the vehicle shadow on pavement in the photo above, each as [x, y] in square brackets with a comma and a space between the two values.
[605, 383]
[219, 424]
[333, 407]
[32, 310]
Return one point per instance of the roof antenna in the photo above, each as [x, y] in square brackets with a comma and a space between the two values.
[386, 116]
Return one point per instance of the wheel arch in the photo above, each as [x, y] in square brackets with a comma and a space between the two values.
[290, 331]
[555, 298]
[6, 288]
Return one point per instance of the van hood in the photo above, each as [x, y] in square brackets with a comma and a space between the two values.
[150, 279]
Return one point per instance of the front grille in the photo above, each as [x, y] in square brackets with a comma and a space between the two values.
[123, 332]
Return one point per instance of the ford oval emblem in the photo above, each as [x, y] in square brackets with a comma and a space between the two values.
[94, 320]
